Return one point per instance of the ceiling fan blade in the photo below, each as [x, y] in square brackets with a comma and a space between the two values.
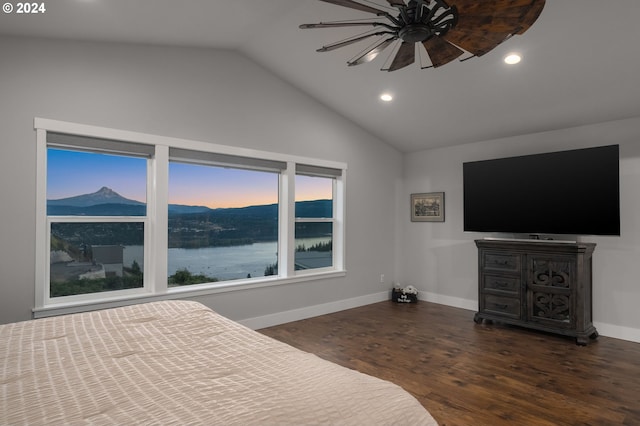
[357, 6]
[441, 51]
[475, 7]
[474, 43]
[499, 16]
[370, 54]
[397, 3]
[419, 10]
[339, 24]
[531, 16]
[488, 24]
[343, 43]
[406, 56]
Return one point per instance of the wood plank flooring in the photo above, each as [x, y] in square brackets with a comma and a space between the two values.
[470, 374]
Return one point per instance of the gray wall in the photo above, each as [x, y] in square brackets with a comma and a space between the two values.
[210, 95]
[441, 259]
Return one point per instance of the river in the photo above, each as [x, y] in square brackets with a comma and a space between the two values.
[224, 263]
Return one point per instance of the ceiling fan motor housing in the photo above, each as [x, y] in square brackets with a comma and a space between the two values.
[414, 33]
[429, 22]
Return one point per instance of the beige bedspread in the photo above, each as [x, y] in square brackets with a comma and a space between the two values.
[178, 362]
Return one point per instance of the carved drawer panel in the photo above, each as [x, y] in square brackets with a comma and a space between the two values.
[551, 272]
[501, 261]
[501, 284]
[499, 305]
[551, 308]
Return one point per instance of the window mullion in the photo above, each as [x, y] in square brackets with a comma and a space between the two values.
[286, 243]
[158, 212]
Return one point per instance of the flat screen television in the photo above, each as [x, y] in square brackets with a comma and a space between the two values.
[573, 192]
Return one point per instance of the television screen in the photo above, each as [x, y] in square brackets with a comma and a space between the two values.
[573, 192]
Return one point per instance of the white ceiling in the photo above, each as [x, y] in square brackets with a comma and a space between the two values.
[581, 62]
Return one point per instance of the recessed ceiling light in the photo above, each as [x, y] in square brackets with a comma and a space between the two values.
[512, 58]
[386, 97]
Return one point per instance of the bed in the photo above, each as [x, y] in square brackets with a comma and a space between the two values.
[179, 362]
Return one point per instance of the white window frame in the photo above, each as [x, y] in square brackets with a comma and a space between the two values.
[337, 255]
[156, 221]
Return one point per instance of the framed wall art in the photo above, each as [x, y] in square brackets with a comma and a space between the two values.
[427, 207]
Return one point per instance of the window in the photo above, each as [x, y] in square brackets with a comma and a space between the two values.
[314, 222]
[223, 224]
[126, 215]
[96, 216]
[89, 257]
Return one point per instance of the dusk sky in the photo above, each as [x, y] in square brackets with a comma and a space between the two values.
[71, 173]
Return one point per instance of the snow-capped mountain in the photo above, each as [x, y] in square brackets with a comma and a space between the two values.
[103, 196]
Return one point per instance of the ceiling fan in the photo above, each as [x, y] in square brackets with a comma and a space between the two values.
[446, 28]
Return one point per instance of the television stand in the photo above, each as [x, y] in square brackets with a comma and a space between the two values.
[539, 284]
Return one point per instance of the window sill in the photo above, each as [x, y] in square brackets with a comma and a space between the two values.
[181, 292]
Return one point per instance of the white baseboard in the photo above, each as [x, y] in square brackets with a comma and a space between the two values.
[456, 302]
[609, 330]
[618, 331]
[313, 311]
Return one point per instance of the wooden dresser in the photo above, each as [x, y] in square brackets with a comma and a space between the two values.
[544, 285]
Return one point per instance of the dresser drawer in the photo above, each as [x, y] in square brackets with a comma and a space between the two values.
[498, 305]
[501, 261]
[501, 284]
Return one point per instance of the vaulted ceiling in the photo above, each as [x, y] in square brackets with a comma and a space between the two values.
[580, 64]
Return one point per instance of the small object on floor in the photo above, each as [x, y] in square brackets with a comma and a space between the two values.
[408, 294]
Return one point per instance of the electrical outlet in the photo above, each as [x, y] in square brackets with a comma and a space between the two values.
[381, 278]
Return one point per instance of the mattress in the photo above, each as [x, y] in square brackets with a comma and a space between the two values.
[179, 362]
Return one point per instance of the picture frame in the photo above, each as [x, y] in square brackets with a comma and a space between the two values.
[427, 207]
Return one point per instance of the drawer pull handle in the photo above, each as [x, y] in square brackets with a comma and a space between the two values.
[502, 284]
[501, 306]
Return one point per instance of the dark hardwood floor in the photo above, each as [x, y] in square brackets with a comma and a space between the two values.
[470, 374]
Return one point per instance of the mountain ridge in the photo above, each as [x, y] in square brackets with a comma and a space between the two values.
[104, 195]
[107, 202]
[111, 203]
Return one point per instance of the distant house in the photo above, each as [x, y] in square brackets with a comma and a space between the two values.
[110, 257]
